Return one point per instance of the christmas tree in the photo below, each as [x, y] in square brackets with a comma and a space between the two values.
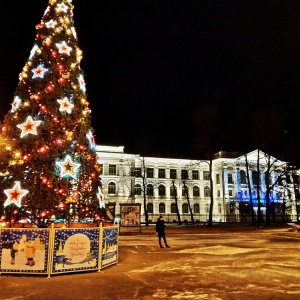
[49, 167]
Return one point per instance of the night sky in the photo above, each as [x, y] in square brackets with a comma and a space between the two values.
[149, 65]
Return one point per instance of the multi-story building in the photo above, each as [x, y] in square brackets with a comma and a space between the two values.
[181, 188]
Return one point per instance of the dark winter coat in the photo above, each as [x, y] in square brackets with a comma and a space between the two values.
[160, 227]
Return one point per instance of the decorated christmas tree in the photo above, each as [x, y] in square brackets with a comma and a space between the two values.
[49, 167]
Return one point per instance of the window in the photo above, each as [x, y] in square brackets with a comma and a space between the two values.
[101, 169]
[150, 208]
[219, 208]
[111, 188]
[243, 177]
[185, 208]
[150, 190]
[196, 208]
[230, 193]
[112, 170]
[195, 174]
[230, 179]
[218, 178]
[205, 175]
[150, 172]
[219, 193]
[173, 174]
[161, 173]
[173, 191]
[161, 190]
[162, 208]
[173, 208]
[196, 191]
[138, 189]
[206, 191]
[184, 190]
[206, 207]
[138, 172]
[184, 174]
[255, 177]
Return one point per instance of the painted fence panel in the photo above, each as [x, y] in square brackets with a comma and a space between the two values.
[24, 250]
[56, 250]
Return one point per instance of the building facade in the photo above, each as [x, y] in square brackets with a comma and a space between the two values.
[180, 189]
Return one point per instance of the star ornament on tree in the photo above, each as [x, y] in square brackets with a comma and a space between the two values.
[62, 7]
[63, 48]
[29, 126]
[39, 72]
[68, 167]
[15, 195]
[81, 83]
[16, 104]
[91, 140]
[100, 196]
[65, 105]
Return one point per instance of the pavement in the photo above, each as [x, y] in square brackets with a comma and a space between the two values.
[222, 262]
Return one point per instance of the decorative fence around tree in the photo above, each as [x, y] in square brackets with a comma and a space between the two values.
[57, 250]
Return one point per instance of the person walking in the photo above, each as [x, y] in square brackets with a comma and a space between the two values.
[160, 230]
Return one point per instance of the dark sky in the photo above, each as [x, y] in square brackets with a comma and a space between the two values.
[149, 64]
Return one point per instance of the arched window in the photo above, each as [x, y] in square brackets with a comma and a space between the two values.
[138, 189]
[173, 208]
[196, 191]
[161, 190]
[111, 188]
[196, 208]
[150, 208]
[206, 191]
[185, 208]
[172, 191]
[184, 190]
[162, 208]
[150, 190]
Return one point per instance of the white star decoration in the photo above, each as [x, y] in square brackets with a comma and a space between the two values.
[100, 196]
[15, 195]
[81, 83]
[65, 105]
[16, 104]
[91, 139]
[33, 51]
[68, 167]
[74, 32]
[51, 24]
[39, 71]
[63, 48]
[62, 7]
[29, 126]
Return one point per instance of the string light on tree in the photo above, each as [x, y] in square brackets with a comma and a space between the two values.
[100, 196]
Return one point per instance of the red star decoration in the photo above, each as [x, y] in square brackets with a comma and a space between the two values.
[15, 195]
